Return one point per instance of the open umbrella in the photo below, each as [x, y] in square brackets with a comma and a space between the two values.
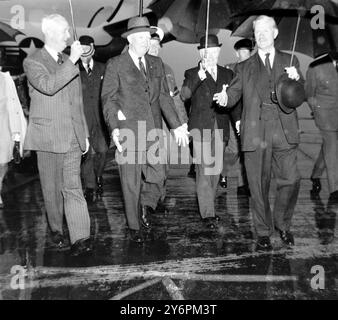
[7, 33]
[299, 28]
[186, 19]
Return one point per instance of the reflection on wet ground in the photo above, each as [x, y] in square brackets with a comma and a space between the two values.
[181, 258]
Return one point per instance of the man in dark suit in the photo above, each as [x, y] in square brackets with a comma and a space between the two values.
[208, 124]
[57, 130]
[134, 96]
[92, 73]
[322, 95]
[269, 136]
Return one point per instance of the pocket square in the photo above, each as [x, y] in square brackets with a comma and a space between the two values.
[120, 115]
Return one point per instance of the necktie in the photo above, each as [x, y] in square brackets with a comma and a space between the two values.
[213, 73]
[267, 63]
[60, 60]
[89, 71]
[142, 68]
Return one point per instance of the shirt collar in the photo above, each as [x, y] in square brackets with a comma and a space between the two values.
[135, 59]
[52, 52]
[90, 64]
[262, 54]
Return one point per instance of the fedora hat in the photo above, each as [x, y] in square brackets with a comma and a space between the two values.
[290, 93]
[212, 42]
[158, 34]
[138, 24]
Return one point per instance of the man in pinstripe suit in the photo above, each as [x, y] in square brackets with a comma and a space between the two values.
[58, 131]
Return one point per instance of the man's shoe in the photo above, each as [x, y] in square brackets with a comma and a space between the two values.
[192, 172]
[210, 222]
[287, 238]
[316, 185]
[58, 240]
[81, 247]
[99, 183]
[136, 236]
[333, 196]
[223, 181]
[144, 216]
[89, 195]
[263, 244]
[243, 191]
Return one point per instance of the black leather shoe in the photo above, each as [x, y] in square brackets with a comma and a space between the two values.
[263, 244]
[333, 196]
[210, 222]
[136, 236]
[81, 247]
[243, 191]
[144, 216]
[89, 195]
[223, 181]
[287, 238]
[58, 240]
[99, 183]
[192, 172]
[316, 185]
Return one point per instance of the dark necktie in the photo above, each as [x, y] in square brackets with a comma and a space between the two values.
[142, 68]
[267, 63]
[60, 60]
[89, 71]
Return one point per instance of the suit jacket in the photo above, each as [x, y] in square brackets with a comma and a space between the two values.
[12, 119]
[204, 111]
[322, 93]
[91, 90]
[56, 108]
[125, 89]
[246, 84]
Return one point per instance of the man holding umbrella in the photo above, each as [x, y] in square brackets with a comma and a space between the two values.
[269, 131]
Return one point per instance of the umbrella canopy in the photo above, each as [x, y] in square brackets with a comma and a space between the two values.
[186, 19]
[311, 41]
[7, 33]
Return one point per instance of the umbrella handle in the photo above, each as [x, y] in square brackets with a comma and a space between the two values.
[207, 25]
[72, 17]
[295, 39]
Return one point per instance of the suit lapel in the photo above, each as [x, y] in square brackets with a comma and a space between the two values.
[133, 70]
[254, 73]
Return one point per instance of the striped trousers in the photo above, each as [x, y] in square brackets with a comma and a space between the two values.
[62, 191]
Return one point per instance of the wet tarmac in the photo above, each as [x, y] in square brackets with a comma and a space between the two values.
[181, 259]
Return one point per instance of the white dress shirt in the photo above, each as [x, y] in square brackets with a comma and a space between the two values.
[262, 54]
[90, 65]
[136, 61]
[52, 52]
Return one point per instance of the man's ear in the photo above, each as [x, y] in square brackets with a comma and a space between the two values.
[275, 33]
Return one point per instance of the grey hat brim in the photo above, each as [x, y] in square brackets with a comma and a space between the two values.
[136, 30]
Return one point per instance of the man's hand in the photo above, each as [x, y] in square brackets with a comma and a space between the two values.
[292, 73]
[238, 126]
[222, 98]
[182, 135]
[116, 135]
[75, 51]
[201, 72]
[87, 146]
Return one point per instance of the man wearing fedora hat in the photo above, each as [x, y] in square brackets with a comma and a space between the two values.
[322, 95]
[91, 77]
[135, 95]
[269, 131]
[232, 154]
[209, 123]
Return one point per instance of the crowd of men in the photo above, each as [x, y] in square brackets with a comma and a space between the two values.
[236, 114]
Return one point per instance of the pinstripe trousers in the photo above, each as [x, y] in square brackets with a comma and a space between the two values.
[62, 191]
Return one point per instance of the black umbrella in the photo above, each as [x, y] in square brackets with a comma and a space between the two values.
[187, 19]
[299, 29]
